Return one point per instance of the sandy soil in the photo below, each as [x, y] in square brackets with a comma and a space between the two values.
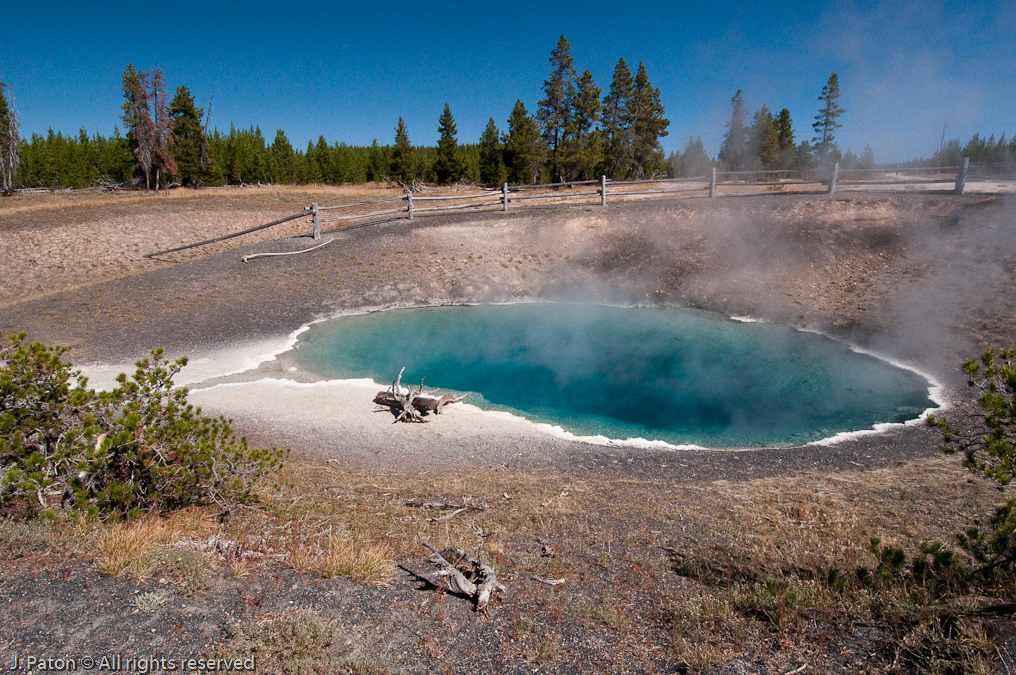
[921, 279]
[61, 241]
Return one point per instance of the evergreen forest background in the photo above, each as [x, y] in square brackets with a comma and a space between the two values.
[577, 132]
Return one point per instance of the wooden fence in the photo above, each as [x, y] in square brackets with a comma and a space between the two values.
[717, 184]
[885, 178]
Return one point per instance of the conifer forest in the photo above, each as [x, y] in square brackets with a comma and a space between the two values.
[577, 131]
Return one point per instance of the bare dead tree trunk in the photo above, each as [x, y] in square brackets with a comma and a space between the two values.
[162, 129]
[203, 159]
[10, 152]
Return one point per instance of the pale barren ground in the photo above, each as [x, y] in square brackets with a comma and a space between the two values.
[62, 241]
[924, 278]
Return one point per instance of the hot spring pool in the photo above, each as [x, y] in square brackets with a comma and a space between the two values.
[679, 376]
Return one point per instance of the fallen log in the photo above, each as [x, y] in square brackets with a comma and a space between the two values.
[411, 406]
[422, 402]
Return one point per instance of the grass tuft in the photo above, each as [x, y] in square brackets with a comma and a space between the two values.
[132, 549]
[369, 563]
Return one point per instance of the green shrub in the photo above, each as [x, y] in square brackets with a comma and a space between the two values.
[140, 448]
[987, 440]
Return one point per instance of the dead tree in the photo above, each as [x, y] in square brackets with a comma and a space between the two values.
[10, 157]
[137, 118]
[411, 406]
[203, 159]
[162, 129]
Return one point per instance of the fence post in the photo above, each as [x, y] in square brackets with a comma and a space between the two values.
[315, 220]
[409, 196]
[712, 184]
[961, 176]
[603, 190]
[504, 197]
[832, 178]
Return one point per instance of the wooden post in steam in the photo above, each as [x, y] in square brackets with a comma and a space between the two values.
[712, 184]
[315, 219]
[832, 178]
[409, 196]
[603, 190]
[961, 176]
[504, 197]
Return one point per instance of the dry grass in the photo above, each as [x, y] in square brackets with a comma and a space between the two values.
[366, 562]
[133, 548]
[294, 642]
[819, 521]
[809, 521]
[618, 543]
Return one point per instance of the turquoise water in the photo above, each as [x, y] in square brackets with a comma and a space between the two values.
[684, 377]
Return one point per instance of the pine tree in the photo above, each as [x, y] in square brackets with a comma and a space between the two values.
[283, 159]
[785, 139]
[867, 158]
[765, 139]
[10, 144]
[804, 156]
[693, 162]
[187, 137]
[826, 120]
[403, 162]
[448, 166]
[377, 163]
[734, 150]
[582, 151]
[553, 111]
[525, 150]
[324, 160]
[492, 166]
[617, 122]
[137, 119]
[648, 127]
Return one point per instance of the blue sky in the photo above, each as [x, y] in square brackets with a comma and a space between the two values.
[349, 70]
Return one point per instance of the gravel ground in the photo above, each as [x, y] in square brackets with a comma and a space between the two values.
[922, 279]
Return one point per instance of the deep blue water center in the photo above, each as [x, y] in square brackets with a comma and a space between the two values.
[684, 377]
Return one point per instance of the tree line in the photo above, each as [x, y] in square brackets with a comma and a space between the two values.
[576, 133]
[978, 149]
[573, 135]
[765, 141]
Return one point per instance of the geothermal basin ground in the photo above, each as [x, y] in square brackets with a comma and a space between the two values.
[921, 280]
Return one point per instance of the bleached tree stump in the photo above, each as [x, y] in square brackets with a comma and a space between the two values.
[411, 406]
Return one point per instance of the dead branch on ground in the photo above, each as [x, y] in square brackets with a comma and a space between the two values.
[468, 576]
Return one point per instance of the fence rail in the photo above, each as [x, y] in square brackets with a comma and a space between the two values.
[829, 179]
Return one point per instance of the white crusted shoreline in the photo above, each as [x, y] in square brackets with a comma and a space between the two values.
[232, 382]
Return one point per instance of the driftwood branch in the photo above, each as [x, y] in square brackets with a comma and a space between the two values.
[468, 576]
[444, 504]
[549, 582]
[411, 406]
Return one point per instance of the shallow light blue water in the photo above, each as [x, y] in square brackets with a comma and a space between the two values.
[674, 375]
